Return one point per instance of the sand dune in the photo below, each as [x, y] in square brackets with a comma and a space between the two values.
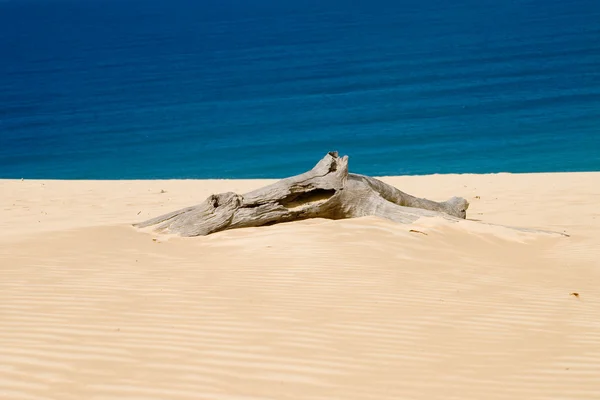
[356, 309]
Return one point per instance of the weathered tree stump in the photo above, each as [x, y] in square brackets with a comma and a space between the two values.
[326, 191]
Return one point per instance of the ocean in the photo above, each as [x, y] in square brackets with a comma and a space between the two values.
[128, 89]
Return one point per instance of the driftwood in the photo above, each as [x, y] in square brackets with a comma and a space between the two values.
[326, 191]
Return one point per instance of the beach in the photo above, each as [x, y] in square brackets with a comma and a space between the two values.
[91, 308]
[116, 112]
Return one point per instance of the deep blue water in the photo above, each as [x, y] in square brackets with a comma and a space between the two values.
[111, 89]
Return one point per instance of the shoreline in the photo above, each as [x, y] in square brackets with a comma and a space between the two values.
[275, 179]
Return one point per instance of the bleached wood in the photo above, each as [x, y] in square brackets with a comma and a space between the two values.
[326, 191]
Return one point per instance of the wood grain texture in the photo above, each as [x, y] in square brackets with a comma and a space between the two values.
[326, 191]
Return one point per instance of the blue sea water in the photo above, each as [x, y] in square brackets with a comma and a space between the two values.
[114, 89]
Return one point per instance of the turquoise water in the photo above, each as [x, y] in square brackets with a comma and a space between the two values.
[106, 89]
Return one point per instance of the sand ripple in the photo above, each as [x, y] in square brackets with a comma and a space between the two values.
[352, 309]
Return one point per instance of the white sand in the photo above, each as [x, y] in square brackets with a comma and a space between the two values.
[356, 309]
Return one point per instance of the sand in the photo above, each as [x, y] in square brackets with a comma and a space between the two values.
[90, 308]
